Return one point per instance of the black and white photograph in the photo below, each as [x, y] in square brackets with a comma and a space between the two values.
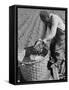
[34, 44]
[41, 45]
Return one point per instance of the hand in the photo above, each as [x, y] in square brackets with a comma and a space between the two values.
[32, 57]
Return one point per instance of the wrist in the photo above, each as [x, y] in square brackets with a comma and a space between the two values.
[45, 40]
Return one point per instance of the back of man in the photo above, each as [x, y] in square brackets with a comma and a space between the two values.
[58, 20]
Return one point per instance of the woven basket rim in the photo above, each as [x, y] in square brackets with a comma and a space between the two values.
[34, 61]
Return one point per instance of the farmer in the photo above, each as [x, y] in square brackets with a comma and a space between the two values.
[54, 31]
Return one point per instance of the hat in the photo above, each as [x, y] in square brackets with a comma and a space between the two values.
[43, 15]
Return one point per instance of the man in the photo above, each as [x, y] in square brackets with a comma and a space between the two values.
[53, 22]
[54, 31]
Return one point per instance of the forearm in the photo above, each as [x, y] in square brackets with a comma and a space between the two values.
[50, 36]
[52, 32]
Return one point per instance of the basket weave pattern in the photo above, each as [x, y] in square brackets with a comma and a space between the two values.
[36, 71]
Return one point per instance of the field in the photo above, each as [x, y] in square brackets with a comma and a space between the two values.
[29, 26]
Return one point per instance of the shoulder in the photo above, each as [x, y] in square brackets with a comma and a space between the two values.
[56, 17]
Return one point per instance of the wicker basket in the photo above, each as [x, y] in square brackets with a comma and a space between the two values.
[36, 71]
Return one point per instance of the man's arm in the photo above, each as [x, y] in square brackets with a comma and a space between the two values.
[53, 30]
